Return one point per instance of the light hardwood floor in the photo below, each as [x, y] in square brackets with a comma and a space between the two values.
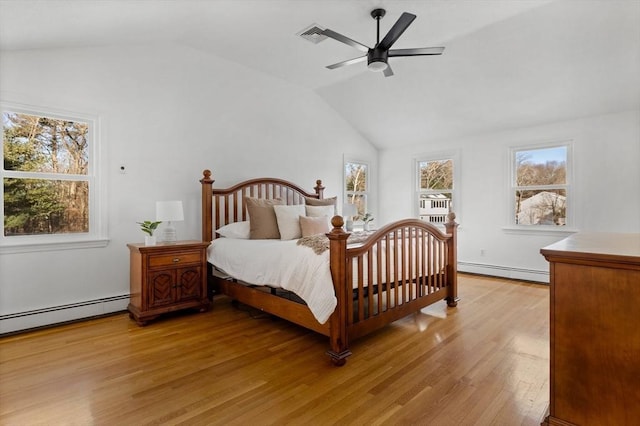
[485, 362]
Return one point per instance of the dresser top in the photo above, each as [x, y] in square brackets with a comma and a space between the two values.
[597, 245]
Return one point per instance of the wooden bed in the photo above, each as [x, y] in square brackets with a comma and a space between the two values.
[374, 284]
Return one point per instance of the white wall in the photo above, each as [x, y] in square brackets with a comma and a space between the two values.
[167, 112]
[606, 187]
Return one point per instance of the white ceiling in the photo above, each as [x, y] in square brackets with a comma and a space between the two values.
[507, 63]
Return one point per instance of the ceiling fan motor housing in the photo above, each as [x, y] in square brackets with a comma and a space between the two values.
[377, 58]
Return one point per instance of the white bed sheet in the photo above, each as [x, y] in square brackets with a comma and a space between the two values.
[290, 266]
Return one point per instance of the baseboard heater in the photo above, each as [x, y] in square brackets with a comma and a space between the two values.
[504, 271]
[21, 321]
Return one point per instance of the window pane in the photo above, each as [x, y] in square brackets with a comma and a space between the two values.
[434, 208]
[436, 175]
[42, 206]
[41, 144]
[541, 207]
[360, 202]
[546, 166]
[356, 177]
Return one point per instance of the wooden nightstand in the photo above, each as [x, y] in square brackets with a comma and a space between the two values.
[166, 278]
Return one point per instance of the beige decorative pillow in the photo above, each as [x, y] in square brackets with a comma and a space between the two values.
[320, 211]
[333, 201]
[288, 223]
[262, 218]
[314, 225]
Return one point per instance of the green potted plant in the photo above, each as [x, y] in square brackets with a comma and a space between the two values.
[367, 219]
[148, 227]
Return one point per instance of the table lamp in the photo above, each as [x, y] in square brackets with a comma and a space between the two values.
[348, 211]
[169, 211]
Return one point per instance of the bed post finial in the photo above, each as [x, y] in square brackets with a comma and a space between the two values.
[319, 189]
[207, 183]
[451, 227]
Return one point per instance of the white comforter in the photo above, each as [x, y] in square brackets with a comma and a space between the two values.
[291, 267]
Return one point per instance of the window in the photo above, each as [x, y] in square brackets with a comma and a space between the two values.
[435, 183]
[49, 178]
[356, 177]
[540, 186]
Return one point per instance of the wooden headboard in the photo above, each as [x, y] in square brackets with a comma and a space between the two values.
[227, 205]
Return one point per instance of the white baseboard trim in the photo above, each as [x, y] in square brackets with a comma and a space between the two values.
[504, 271]
[26, 320]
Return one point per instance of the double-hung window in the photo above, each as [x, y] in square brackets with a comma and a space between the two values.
[49, 180]
[356, 181]
[435, 187]
[540, 186]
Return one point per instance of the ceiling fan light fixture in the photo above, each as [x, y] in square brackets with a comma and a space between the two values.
[376, 66]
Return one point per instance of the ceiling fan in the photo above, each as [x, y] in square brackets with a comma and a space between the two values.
[378, 57]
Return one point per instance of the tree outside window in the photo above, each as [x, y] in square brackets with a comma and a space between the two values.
[540, 186]
[46, 180]
[356, 186]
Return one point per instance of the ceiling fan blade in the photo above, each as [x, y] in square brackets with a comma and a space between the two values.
[347, 62]
[388, 72]
[346, 40]
[417, 52]
[396, 31]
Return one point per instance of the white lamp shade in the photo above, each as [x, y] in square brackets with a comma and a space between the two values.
[168, 211]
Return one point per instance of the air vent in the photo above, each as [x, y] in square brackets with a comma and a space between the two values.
[313, 34]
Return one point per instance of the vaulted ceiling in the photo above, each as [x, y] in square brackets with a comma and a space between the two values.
[506, 63]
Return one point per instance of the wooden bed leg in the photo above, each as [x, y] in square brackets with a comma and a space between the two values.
[339, 359]
[339, 337]
[452, 302]
[452, 262]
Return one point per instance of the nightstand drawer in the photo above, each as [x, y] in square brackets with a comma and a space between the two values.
[176, 259]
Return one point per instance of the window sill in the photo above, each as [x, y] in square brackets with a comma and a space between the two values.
[539, 230]
[35, 246]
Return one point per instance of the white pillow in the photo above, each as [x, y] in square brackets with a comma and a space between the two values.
[319, 211]
[288, 222]
[237, 230]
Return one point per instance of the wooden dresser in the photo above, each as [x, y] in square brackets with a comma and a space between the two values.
[595, 330]
[166, 278]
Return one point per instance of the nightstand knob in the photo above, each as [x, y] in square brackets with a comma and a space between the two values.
[176, 259]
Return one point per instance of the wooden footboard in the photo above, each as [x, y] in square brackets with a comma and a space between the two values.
[398, 270]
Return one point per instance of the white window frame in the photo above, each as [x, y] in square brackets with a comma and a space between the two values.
[453, 155]
[97, 234]
[570, 226]
[367, 182]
